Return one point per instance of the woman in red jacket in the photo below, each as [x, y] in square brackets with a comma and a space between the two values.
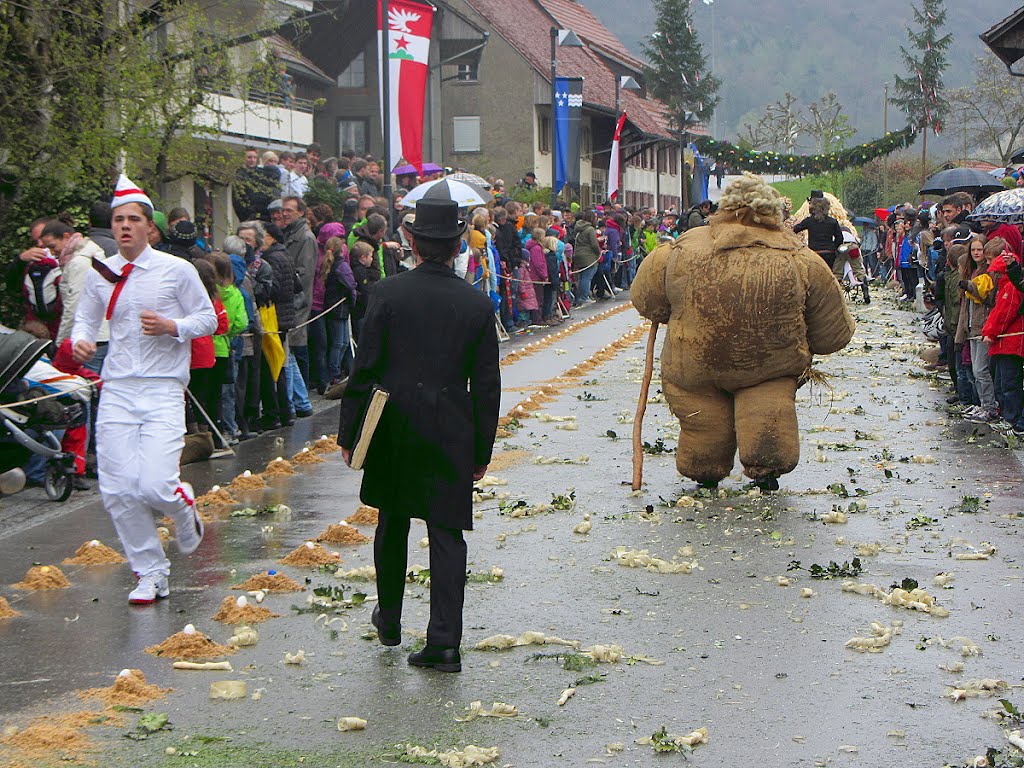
[1004, 332]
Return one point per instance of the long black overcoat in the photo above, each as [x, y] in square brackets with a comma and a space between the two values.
[430, 340]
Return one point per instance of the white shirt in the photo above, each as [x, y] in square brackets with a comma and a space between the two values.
[159, 282]
[292, 184]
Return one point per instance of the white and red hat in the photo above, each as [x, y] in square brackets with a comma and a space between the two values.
[127, 192]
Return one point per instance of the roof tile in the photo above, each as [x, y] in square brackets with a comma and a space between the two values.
[526, 24]
[577, 17]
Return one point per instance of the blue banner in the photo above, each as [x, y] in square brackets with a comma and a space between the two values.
[568, 108]
[699, 187]
[561, 112]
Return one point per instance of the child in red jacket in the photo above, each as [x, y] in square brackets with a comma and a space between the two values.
[1004, 332]
[202, 382]
[76, 439]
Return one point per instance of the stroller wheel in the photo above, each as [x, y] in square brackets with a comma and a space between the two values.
[57, 484]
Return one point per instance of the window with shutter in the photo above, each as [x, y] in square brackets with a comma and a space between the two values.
[465, 134]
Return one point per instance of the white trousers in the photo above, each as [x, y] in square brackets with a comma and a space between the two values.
[140, 431]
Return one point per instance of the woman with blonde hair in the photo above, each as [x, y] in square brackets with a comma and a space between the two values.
[974, 309]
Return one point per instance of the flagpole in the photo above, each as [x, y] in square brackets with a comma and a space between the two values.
[385, 64]
[554, 89]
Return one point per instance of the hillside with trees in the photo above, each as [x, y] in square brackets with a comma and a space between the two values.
[762, 50]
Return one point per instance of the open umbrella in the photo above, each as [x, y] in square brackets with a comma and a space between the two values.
[446, 189]
[1006, 207]
[469, 178]
[882, 213]
[960, 180]
[864, 221]
[428, 168]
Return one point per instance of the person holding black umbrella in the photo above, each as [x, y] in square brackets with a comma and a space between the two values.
[429, 340]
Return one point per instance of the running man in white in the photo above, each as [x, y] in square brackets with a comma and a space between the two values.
[156, 304]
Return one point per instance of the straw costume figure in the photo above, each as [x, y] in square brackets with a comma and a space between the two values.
[747, 305]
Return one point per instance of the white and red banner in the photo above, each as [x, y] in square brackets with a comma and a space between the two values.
[408, 41]
[613, 162]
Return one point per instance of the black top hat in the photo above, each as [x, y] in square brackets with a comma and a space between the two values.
[436, 220]
[816, 194]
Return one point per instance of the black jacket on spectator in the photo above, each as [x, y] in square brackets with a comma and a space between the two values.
[822, 235]
[509, 246]
[368, 187]
[366, 278]
[286, 285]
[428, 339]
[262, 282]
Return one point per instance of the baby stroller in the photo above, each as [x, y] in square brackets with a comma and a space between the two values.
[27, 430]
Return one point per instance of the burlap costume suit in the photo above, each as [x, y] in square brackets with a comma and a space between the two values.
[746, 305]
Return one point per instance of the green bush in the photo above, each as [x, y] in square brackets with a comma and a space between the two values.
[37, 196]
[323, 190]
[861, 195]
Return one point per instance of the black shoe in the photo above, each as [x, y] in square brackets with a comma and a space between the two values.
[242, 436]
[287, 422]
[767, 483]
[436, 657]
[304, 414]
[391, 633]
[952, 400]
[269, 426]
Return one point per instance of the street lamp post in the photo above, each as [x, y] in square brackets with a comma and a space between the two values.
[560, 38]
[627, 83]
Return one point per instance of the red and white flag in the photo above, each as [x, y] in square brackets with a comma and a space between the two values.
[408, 41]
[613, 163]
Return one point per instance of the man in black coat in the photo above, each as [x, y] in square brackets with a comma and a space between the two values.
[430, 341]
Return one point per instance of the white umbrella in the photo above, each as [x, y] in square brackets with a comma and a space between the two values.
[469, 178]
[446, 189]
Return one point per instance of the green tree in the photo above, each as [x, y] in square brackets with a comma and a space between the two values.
[97, 86]
[106, 84]
[920, 93]
[827, 123]
[778, 128]
[678, 74]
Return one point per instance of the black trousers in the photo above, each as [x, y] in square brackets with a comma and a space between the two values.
[909, 276]
[447, 576]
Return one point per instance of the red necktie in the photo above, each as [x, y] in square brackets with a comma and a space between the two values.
[125, 271]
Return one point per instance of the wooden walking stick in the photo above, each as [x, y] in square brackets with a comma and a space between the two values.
[641, 409]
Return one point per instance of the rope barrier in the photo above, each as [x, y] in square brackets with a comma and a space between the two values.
[317, 317]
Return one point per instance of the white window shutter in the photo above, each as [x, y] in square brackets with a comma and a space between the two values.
[466, 134]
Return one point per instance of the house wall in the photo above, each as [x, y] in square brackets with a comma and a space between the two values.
[350, 104]
[503, 99]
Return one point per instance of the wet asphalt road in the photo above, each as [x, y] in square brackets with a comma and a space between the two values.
[763, 669]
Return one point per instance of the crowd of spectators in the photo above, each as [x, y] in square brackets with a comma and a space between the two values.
[968, 273]
[292, 282]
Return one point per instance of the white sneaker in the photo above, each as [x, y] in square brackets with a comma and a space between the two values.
[189, 533]
[151, 587]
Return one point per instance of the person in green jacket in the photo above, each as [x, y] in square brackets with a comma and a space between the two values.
[586, 252]
[238, 321]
